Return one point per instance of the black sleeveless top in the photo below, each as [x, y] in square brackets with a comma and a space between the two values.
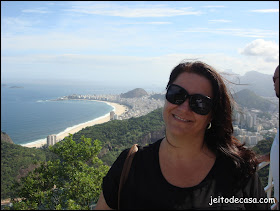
[146, 187]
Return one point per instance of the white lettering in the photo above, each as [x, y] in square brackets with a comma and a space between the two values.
[233, 199]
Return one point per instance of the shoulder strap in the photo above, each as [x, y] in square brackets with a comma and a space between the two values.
[126, 168]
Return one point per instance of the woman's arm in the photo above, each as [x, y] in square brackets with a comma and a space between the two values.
[101, 204]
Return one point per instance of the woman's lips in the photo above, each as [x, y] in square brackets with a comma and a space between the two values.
[180, 118]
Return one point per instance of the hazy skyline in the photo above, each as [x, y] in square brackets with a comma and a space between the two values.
[134, 42]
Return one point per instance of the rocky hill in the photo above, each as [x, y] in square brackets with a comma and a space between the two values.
[6, 138]
[158, 96]
[135, 93]
[248, 98]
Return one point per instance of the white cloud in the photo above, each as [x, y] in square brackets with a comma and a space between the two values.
[262, 48]
[265, 10]
[257, 33]
[149, 23]
[121, 69]
[220, 21]
[13, 24]
[156, 23]
[132, 11]
[54, 42]
[214, 6]
[36, 10]
[263, 55]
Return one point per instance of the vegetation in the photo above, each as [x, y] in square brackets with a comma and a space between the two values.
[118, 135]
[263, 147]
[158, 96]
[15, 161]
[138, 92]
[264, 115]
[71, 182]
[6, 138]
[256, 102]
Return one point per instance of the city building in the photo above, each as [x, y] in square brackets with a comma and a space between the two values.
[51, 140]
[112, 115]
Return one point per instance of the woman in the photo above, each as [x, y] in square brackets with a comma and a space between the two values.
[199, 164]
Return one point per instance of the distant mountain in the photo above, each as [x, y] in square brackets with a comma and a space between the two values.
[138, 92]
[158, 96]
[6, 138]
[248, 98]
[260, 83]
[16, 87]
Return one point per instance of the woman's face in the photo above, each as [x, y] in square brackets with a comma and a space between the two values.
[180, 120]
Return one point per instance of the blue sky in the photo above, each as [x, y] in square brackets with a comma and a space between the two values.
[134, 42]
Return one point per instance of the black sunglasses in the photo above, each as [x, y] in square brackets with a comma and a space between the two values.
[199, 104]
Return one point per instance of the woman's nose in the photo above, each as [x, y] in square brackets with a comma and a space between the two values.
[185, 105]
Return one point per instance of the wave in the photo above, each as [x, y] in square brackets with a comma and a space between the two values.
[42, 101]
[37, 142]
[108, 103]
[78, 125]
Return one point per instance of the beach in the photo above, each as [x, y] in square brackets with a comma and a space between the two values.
[118, 109]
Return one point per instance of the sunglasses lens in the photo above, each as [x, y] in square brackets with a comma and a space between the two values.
[200, 104]
[176, 95]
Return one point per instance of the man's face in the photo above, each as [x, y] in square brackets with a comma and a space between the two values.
[276, 81]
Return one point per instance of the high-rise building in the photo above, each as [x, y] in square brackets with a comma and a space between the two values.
[250, 121]
[237, 118]
[112, 114]
[255, 119]
[51, 140]
[253, 140]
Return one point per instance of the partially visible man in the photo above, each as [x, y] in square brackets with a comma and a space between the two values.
[273, 156]
[276, 81]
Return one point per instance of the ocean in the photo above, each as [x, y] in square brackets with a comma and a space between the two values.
[29, 115]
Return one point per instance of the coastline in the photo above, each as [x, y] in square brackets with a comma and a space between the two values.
[118, 109]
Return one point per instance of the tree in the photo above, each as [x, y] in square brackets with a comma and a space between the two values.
[71, 182]
[263, 147]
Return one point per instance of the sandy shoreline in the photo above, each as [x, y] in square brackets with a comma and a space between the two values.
[118, 109]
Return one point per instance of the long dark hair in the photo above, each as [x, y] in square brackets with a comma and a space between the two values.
[219, 138]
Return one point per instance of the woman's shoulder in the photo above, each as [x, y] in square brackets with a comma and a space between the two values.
[224, 164]
[151, 148]
[226, 168]
[225, 174]
[148, 151]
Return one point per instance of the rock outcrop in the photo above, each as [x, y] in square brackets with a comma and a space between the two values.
[135, 93]
[151, 137]
[6, 138]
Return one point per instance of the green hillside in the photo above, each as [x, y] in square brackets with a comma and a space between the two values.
[263, 147]
[138, 92]
[247, 98]
[117, 135]
[15, 162]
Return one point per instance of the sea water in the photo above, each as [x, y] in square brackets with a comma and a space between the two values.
[28, 113]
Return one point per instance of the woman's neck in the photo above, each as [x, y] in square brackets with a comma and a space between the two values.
[185, 148]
